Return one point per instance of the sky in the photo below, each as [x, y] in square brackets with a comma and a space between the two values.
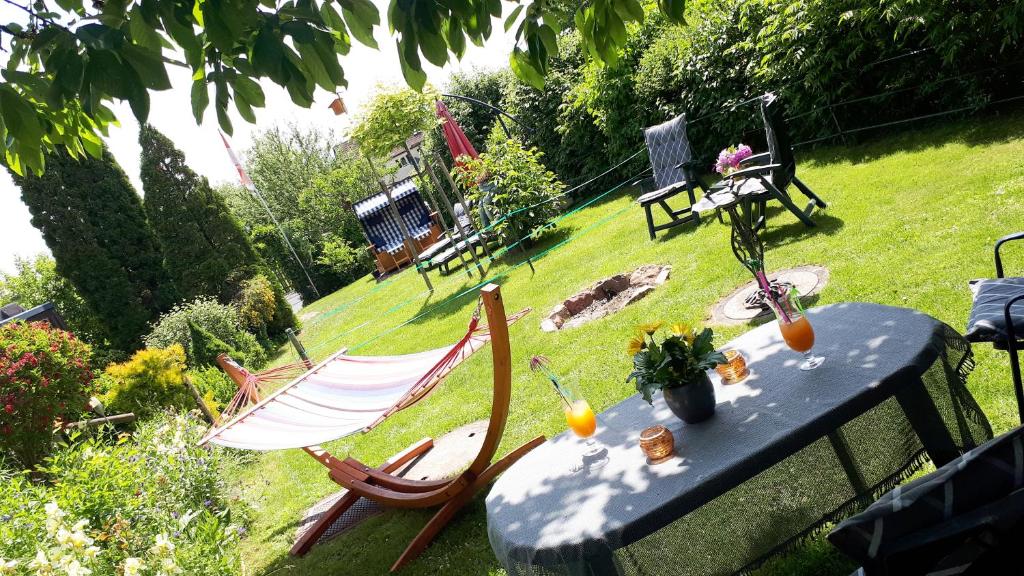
[171, 113]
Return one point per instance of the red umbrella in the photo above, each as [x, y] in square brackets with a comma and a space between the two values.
[457, 141]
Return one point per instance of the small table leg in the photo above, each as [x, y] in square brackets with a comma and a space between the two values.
[842, 449]
[920, 409]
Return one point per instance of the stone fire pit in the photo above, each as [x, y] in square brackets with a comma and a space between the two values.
[605, 297]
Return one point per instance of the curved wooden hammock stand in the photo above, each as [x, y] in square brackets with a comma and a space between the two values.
[380, 485]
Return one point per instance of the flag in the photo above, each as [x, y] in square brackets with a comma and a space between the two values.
[246, 181]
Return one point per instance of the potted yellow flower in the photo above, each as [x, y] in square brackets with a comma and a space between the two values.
[676, 364]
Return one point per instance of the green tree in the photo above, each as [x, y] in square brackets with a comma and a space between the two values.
[94, 224]
[205, 250]
[391, 117]
[67, 62]
[37, 282]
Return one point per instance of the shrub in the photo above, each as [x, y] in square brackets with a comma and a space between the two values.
[218, 319]
[154, 497]
[44, 377]
[151, 380]
[214, 386]
[256, 305]
[525, 190]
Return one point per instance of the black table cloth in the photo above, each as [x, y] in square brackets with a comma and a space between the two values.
[786, 452]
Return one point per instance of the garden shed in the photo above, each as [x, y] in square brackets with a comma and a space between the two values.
[383, 231]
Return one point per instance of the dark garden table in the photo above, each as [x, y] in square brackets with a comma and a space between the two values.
[786, 453]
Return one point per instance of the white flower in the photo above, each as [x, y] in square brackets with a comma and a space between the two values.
[132, 566]
[78, 539]
[76, 569]
[168, 566]
[163, 545]
[91, 552]
[40, 563]
[53, 510]
[7, 566]
[63, 537]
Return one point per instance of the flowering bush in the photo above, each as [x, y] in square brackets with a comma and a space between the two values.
[144, 506]
[44, 377]
[729, 159]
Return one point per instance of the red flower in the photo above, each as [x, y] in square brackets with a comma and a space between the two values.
[9, 409]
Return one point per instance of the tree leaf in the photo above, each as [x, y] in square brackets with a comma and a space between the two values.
[19, 116]
[511, 20]
[524, 69]
[149, 65]
[201, 98]
[251, 90]
[361, 29]
[411, 67]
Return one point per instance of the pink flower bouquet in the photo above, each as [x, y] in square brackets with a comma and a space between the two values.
[730, 158]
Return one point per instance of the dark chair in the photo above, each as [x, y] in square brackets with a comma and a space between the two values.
[774, 170]
[967, 517]
[994, 320]
[674, 171]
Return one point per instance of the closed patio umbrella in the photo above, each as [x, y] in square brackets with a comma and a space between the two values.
[458, 143]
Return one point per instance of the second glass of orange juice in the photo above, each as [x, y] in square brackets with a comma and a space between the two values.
[796, 328]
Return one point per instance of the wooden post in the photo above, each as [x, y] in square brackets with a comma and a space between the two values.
[299, 348]
[409, 244]
[464, 204]
[116, 419]
[447, 230]
[199, 399]
[462, 231]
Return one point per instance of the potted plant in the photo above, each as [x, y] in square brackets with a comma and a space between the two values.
[676, 364]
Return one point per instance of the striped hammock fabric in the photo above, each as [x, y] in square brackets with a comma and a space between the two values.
[342, 395]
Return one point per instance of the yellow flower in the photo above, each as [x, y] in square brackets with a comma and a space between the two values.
[684, 331]
[636, 344]
[650, 328]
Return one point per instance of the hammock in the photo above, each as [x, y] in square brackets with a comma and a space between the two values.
[340, 396]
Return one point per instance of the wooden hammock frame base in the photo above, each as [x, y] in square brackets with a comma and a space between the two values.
[451, 494]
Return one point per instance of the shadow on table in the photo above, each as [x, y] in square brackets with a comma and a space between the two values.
[740, 519]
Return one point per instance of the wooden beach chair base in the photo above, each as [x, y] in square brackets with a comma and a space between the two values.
[382, 486]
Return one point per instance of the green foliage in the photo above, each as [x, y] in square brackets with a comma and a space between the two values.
[156, 497]
[327, 176]
[678, 359]
[217, 319]
[342, 256]
[476, 121]
[524, 190]
[205, 250]
[44, 377]
[153, 379]
[391, 117]
[213, 384]
[256, 304]
[36, 282]
[206, 347]
[94, 224]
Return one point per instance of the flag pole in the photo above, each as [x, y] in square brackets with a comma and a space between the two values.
[248, 184]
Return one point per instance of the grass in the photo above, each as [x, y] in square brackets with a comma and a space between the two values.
[912, 218]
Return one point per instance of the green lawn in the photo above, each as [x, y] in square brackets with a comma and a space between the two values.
[911, 219]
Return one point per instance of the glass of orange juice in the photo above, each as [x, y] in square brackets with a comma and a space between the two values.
[578, 414]
[795, 327]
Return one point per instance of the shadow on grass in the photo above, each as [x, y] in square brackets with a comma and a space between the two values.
[979, 130]
[463, 543]
[774, 237]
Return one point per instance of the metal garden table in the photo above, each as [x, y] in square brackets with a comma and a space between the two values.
[786, 452]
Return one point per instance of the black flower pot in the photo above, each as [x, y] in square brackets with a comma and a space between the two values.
[693, 402]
